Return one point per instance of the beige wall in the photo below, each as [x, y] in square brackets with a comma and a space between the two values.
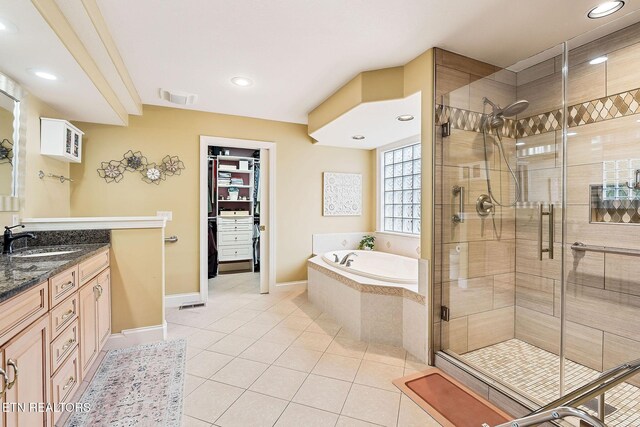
[161, 131]
[42, 197]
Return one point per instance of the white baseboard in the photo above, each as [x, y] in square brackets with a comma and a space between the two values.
[291, 286]
[132, 337]
[176, 300]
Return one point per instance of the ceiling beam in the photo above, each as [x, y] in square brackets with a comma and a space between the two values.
[59, 24]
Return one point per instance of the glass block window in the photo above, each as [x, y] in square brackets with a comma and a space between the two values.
[401, 177]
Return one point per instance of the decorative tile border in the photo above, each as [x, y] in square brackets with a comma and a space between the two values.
[597, 110]
[369, 289]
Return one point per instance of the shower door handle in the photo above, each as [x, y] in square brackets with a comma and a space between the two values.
[548, 249]
[459, 217]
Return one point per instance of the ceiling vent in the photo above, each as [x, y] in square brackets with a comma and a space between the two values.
[180, 98]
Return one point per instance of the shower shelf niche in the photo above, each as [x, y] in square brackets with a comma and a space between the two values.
[614, 204]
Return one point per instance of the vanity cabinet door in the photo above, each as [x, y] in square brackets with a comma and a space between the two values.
[26, 361]
[88, 325]
[104, 307]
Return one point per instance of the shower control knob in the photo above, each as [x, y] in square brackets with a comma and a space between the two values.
[484, 205]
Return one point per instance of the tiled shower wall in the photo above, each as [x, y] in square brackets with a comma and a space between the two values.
[603, 290]
[475, 265]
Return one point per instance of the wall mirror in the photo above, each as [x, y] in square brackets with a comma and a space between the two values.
[12, 143]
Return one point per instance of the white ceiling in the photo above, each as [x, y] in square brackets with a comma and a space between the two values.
[36, 46]
[376, 121]
[298, 52]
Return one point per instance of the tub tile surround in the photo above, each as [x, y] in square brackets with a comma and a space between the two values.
[393, 243]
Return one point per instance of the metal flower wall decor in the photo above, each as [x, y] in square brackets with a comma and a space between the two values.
[152, 173]
[6, 151]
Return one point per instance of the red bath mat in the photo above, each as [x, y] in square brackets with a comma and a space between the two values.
[449, 402]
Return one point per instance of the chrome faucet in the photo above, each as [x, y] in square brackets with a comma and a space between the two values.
[9, 238]
[346, 257]
[349, 262]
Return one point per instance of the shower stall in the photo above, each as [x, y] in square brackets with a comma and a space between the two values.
[537, 218]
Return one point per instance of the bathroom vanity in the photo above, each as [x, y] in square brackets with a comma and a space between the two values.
[56, 318]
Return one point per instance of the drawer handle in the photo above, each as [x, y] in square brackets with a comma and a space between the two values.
[5, 381]
[67, 345]
[66, 286]
[69, 383]
[67, 315]
[14, 365]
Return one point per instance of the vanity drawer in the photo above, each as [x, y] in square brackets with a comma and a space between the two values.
[235, 253]
[90, 268]
[65, 382]
[227, 221]
[62, 285]
[235, 238]
[20, 311]
[63, 315]
[64, 345]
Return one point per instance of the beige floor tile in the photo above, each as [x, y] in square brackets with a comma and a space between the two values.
[176, 331]
[386, 354]
[373, 405]
[240, 372]
[411, 415]
[232, 345]
[347, 347]
[413, 363]
[279, 382]
[207, 363]
[323, 393]
[379, 375]
[188, 421]
[312, 341]
[299, 415]
[192, 351]
[281, 335]
[253, 329]
[203, 338]
[253, 409]
[338, 367]
[243, 314]
[263, 351]
[299, 359]
[324, 326]
[296, 322]
[191, 382]
[211, 400]
[226, 325]
[352, 422]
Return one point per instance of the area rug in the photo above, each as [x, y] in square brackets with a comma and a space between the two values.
[449, 402]
[136, 386]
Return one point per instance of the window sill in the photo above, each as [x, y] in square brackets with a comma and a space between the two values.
[392, 233]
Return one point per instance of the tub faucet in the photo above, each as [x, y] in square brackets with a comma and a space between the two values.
[346, 257]
[349, 261]
[335, 258]
[9, 238]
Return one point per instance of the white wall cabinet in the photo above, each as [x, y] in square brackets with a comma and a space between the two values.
[61, 140]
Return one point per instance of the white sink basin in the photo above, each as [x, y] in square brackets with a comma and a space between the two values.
[42, 254]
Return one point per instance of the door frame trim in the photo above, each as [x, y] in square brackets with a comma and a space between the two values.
[212, 141]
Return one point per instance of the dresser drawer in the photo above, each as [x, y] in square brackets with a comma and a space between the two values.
[235, 253]
[62, 285]
[235, 227]
[64, 345]
[227, 221]
[63, 315]
[235, 238]
[20, 311]
[90, 268]
[65, 382]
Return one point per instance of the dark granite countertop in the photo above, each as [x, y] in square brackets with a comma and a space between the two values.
[18, 274]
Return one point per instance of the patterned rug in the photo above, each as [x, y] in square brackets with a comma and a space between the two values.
[136, 386]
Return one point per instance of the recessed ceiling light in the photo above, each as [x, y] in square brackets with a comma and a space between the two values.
[404, 118]
[357, 137]
[572, 133]
[519, 143]
[241, 81]
[44, 74]
[598, 60]
[7, 27]
[605, 9]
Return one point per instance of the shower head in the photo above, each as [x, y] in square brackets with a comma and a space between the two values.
[495, 119]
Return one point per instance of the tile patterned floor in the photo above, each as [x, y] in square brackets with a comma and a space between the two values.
[275, 360]
[535, 373]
